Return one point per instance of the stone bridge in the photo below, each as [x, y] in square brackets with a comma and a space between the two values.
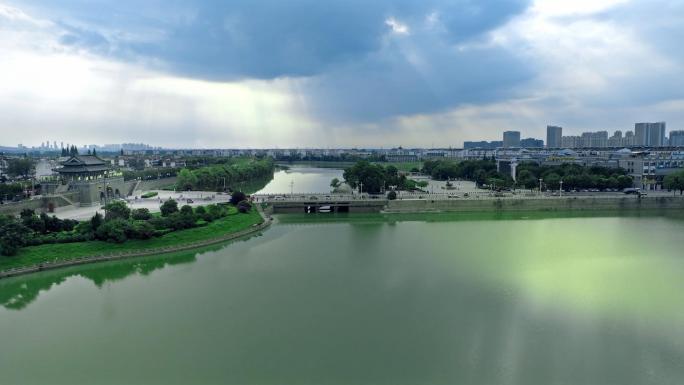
[322, 203]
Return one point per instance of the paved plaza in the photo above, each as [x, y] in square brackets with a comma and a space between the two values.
[199, 198]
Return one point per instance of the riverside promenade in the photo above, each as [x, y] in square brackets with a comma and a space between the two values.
[254, 229]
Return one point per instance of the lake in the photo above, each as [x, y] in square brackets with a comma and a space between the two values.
[302, 180]
[428, 299]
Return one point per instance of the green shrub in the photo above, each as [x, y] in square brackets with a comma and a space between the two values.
[187, 210]
[237, 197]
[13, 236]
[392, 195]
[141, 214]
[169, 207]
[113, 231]
[149, 194]
[180, 221]
[244, 207]
[117, 210]
[141, 230]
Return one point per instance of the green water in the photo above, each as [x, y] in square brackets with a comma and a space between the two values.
[302, 180]
[587, 300]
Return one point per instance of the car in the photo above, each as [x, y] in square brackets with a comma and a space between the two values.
[189, 201]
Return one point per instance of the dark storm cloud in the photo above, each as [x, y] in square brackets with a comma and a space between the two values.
[226, 40]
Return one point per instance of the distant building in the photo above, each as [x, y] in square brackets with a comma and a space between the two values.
[554, 136]
[482, 144]
[571, 141]
[649, 134]
[677, 138]
[594, 139]
[511, 139]
[616, 139]
[629, 139]
[531, 143]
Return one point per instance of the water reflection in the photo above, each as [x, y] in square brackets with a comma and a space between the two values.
[410, 302]
[18, 292]
[302, 180]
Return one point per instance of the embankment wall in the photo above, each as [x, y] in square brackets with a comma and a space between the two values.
[540, 204]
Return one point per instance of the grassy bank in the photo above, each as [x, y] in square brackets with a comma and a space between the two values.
[34, 255]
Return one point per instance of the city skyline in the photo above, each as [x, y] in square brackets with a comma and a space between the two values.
[607, 138]
[209, 74]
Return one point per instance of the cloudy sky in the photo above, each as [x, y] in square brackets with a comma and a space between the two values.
[334, 73]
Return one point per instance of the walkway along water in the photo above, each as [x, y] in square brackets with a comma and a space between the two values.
[267, 220]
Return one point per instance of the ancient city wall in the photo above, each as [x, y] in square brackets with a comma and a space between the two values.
[40, 205]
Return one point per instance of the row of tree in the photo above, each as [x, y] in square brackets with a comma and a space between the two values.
[23, 167]
[675, 182]
[218, 176]
[483, 172]
[119, 224]
[573, 176]
[374, 178]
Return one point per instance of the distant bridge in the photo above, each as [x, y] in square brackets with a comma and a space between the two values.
[323, 203]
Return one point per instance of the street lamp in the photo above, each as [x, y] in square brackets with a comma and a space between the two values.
[560, 192]
[540, 186]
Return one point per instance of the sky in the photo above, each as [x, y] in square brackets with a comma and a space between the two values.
[334, 73]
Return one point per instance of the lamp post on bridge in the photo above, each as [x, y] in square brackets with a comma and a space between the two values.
[560, 192]
[540, 186]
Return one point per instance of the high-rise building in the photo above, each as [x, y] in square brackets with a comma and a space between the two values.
[677, 138]
[554, 136]
[511, 139]
[594, 139]
[616, 140]
[572, 141]
[649, 134]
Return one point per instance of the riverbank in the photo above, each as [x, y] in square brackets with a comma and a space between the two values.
[621, 203]
[46, 257]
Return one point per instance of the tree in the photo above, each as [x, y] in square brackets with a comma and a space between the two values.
[675, 182]
[237, 197]
[392, 195]
[335, 183]
[13, 236]
[27, 213]
[96, 221]
[187, 180]
[368, 177]
[23, 167]
[169, 207]
[526, 179]
[187, 210]
[117, 210]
